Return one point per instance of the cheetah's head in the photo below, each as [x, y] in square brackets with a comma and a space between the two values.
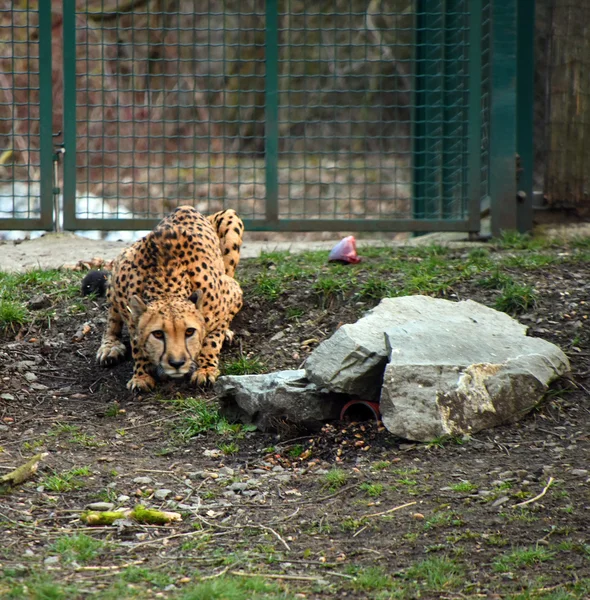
[170, 332]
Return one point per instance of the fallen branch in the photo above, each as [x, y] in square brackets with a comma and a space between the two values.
[531, 500]
[273, 576]
[140, 514]
[22, 473]
[112, 567]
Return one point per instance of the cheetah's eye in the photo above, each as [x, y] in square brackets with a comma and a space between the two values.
[158, 334]
[190, 332]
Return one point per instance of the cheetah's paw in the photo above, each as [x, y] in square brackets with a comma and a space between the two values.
[141, 383]
[229, 336]
[205, 375]
[110, 352]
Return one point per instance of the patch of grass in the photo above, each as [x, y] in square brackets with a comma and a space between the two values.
[442, 519]
[438, 573]
[63, 429]
[350, 524]
[12, 313]
[234, 588]
[267, 286]
[80, 548]
[376, 288]
[329, 287]
[151, 576]
[463, 486]
[374, 490]
[66, 481]
[335, 478]
[496, 280]
[522, 557]
[512, 240]
[294, 312]
[86, 440]
[296, 451]
[372, 579]
[516, 298]
[37, 587]
[113, 410]
[201, 416]
[245, 365]
[229, 449]
[380, 465]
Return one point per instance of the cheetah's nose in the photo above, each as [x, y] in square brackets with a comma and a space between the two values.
[176, 363]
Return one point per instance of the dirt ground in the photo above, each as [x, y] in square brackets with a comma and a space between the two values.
[312, 513]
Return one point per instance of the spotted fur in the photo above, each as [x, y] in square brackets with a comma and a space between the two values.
[175, 291]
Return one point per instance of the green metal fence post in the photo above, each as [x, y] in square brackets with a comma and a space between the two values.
[454, 140]
[525, 111]
[503, 117]
[428, 111]
[46, 116]
[271, 133]
[69, 114]
[475, 115]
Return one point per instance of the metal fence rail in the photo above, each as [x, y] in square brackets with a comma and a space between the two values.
[334, 115]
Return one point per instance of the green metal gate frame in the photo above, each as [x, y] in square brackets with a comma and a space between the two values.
[510, 106]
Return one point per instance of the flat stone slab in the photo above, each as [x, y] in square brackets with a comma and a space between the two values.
[460, 367]
[282, 396]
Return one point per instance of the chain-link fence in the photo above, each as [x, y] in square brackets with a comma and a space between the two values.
[339, 114]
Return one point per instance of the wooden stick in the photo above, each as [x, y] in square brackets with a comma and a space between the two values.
[273, 576]
[551, 480]
[386, 512]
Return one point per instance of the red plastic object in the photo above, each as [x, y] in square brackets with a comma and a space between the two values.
[344, 251]
[365, 406]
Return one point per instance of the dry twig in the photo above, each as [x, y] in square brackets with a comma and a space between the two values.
[531, 500]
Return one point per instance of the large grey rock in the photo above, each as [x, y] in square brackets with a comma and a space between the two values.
[353, 359]
[266, 400]
[460, 367]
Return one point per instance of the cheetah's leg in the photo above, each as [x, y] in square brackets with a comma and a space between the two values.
[111, 349]
[141, 381]
[230, 229]
[208, 360]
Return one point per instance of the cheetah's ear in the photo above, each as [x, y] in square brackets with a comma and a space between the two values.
[197, 299]
[137, 306]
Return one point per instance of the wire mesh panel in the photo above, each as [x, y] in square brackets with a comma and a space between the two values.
[25, 116]
[338, 114]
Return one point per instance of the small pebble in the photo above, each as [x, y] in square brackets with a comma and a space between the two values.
[501, 501]
[238, 486]
[123, 498]
[579, 472]
[51, 560]
[162, 494]
[30, 377]
[142, 480]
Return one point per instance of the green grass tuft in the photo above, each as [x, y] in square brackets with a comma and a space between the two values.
[80, 548]
[245, 365]
[516, 298]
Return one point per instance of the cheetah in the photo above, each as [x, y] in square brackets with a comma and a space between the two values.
[175, 291]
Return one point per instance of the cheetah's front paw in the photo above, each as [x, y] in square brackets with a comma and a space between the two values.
[110, 352]
[229, 337]
[141, 383]
[205, 375]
